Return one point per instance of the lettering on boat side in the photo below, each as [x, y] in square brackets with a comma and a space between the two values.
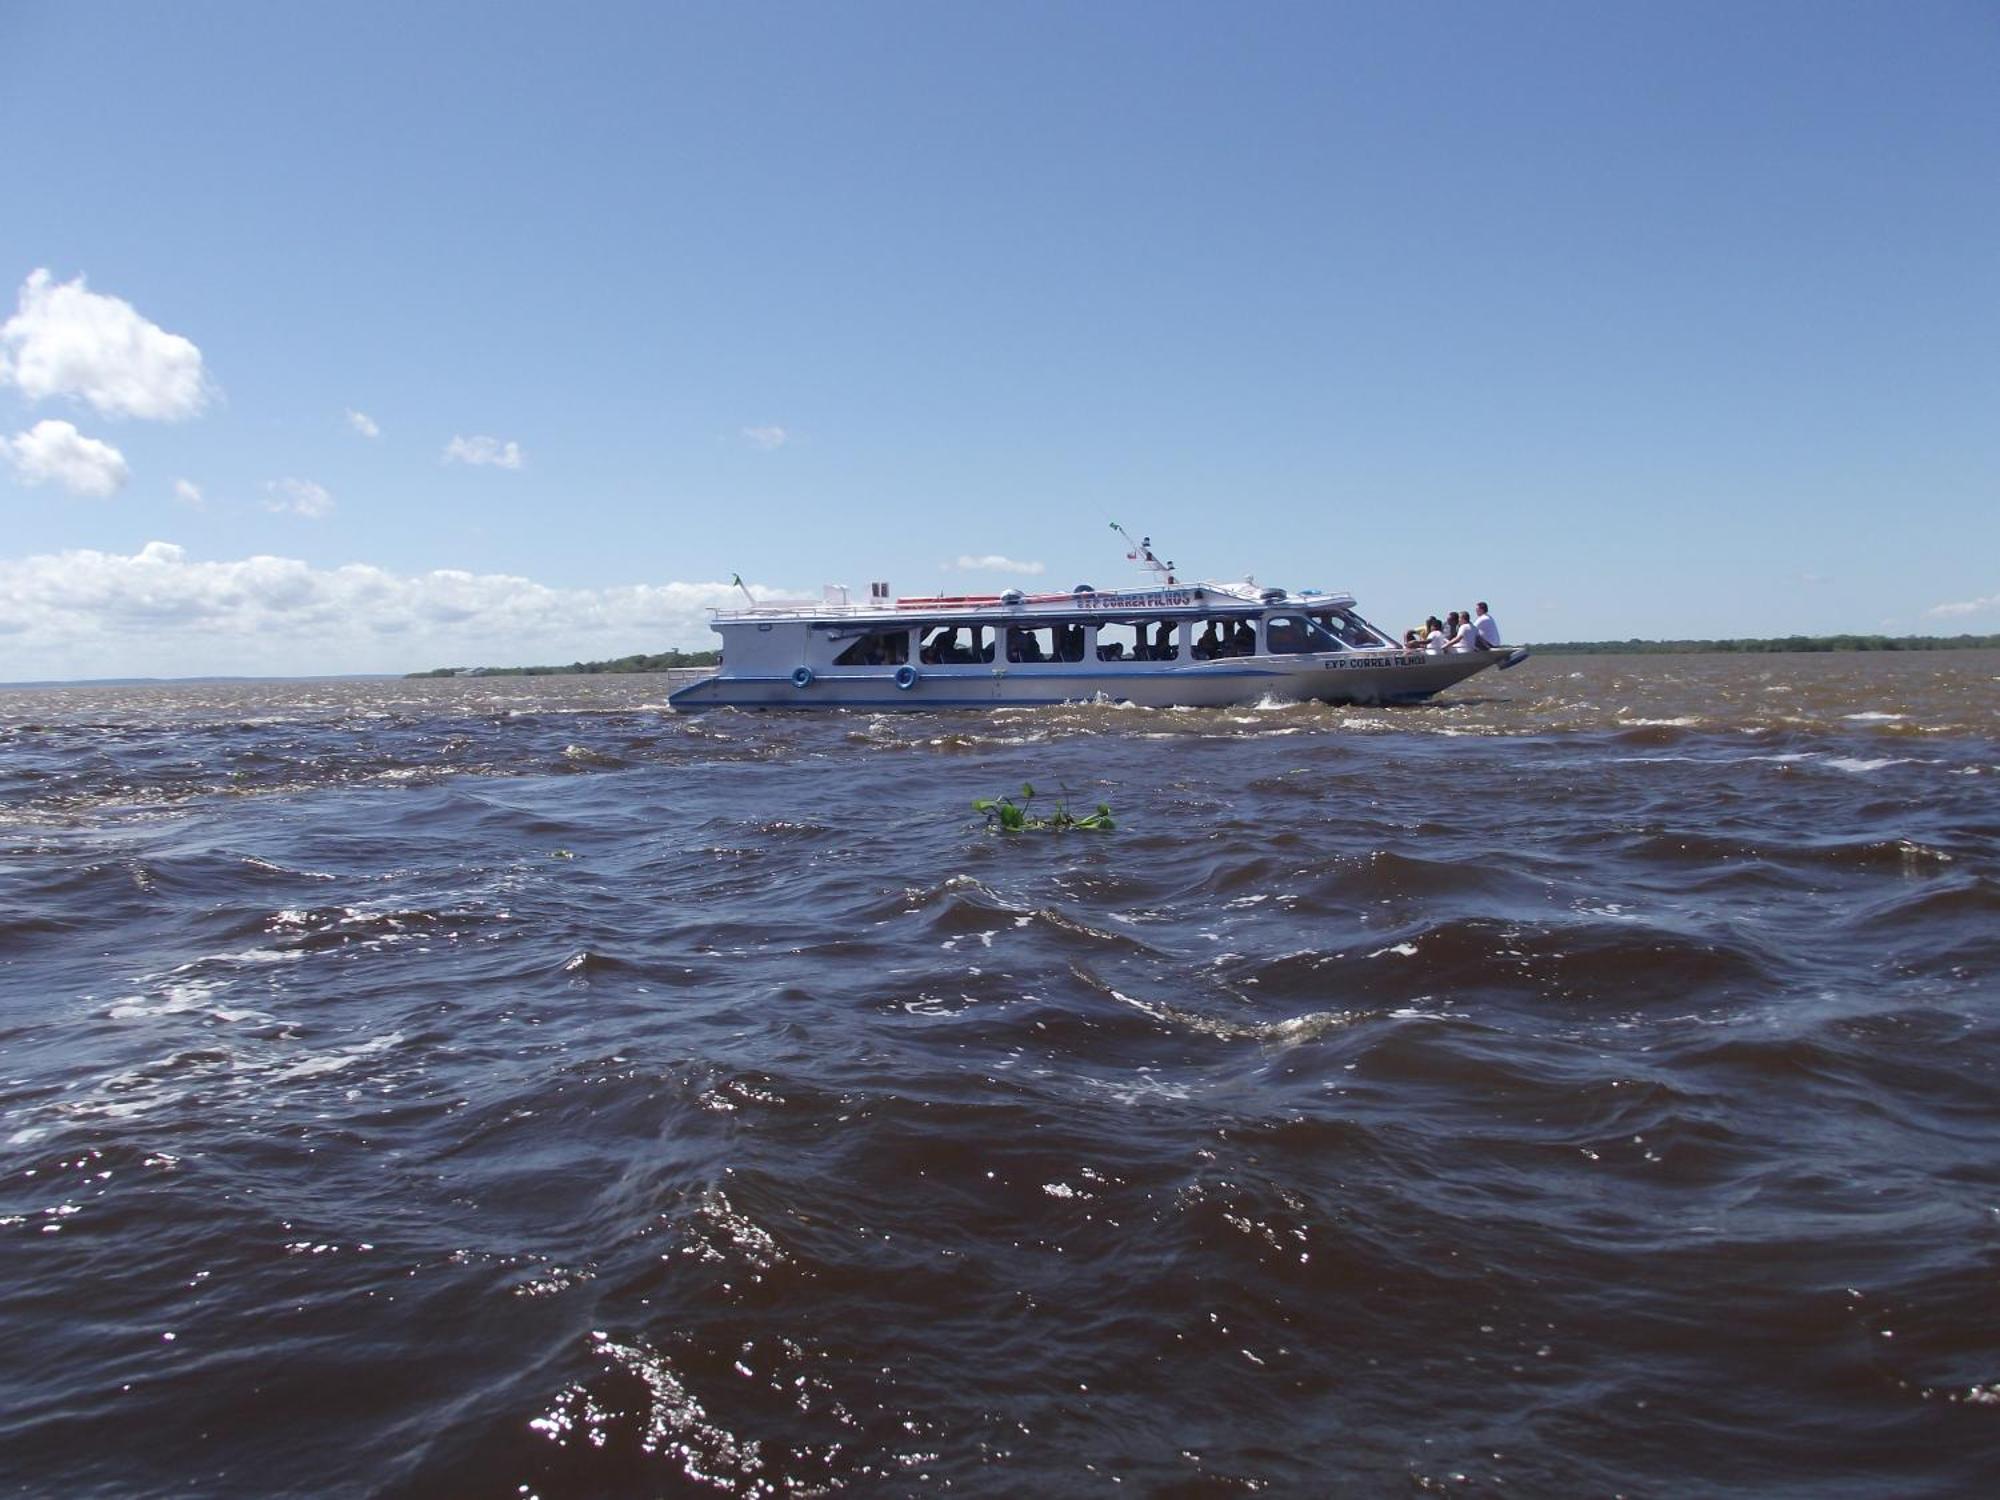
[1151, 599]
[1351, 663]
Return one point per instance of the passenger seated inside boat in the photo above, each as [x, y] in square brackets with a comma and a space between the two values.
[943, 647]
[1222, 638]
[1022, 646]
[878, 648]
[1136, 640]
[1045, 643]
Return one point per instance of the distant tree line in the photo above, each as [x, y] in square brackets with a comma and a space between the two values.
[1750, 645]
[659, 661]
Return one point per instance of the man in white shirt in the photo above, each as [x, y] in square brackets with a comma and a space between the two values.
[1489, 633]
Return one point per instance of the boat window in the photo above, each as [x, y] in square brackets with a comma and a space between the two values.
[947, 644]
[1024, 645]
[1225, 637]
[878, 648]
[1137, 640]
[1291, 634]
[1350, 630]
[1045, 643]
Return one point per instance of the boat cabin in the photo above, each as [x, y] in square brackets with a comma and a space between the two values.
[1092, 633]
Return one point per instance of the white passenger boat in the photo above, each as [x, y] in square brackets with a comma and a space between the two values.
[1165, 645]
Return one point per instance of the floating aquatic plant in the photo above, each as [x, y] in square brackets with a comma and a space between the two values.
[1008, 816]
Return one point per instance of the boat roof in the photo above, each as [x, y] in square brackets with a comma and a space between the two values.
[1173, 599]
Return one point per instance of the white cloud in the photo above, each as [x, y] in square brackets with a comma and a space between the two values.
[298, 497]
[53, 452]
[766, 438]
[484, 450]
[160, 612]
[189, 493]
[362, 423]
[994, 563]
[67, 340]
[1990, 604]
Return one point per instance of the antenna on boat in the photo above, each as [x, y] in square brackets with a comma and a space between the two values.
[1141, 552]
[737, 579]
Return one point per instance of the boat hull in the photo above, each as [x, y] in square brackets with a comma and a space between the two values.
[1359, 677]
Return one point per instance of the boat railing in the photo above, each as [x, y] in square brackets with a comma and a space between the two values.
[836, 605]
[787, 609]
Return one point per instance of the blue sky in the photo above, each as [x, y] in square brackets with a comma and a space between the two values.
[1672, 319]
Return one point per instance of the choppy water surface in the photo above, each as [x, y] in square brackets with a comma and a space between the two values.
[1584, 1085]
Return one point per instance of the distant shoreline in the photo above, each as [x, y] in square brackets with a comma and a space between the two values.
[1756, 645]
[104, 682]
[662, 661]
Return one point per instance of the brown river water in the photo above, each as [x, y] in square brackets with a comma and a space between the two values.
[1585, 1084]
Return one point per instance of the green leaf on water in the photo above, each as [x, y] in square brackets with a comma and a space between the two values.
[1009, 816]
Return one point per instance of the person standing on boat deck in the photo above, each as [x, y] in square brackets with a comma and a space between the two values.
[1489, 633]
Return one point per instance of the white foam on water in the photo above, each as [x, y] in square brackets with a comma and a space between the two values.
[335, 1061]
[1141, 1091]
[1608, 909]
[174, 997]
[1859, 767]
[1401, 950]
[1873, 717]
